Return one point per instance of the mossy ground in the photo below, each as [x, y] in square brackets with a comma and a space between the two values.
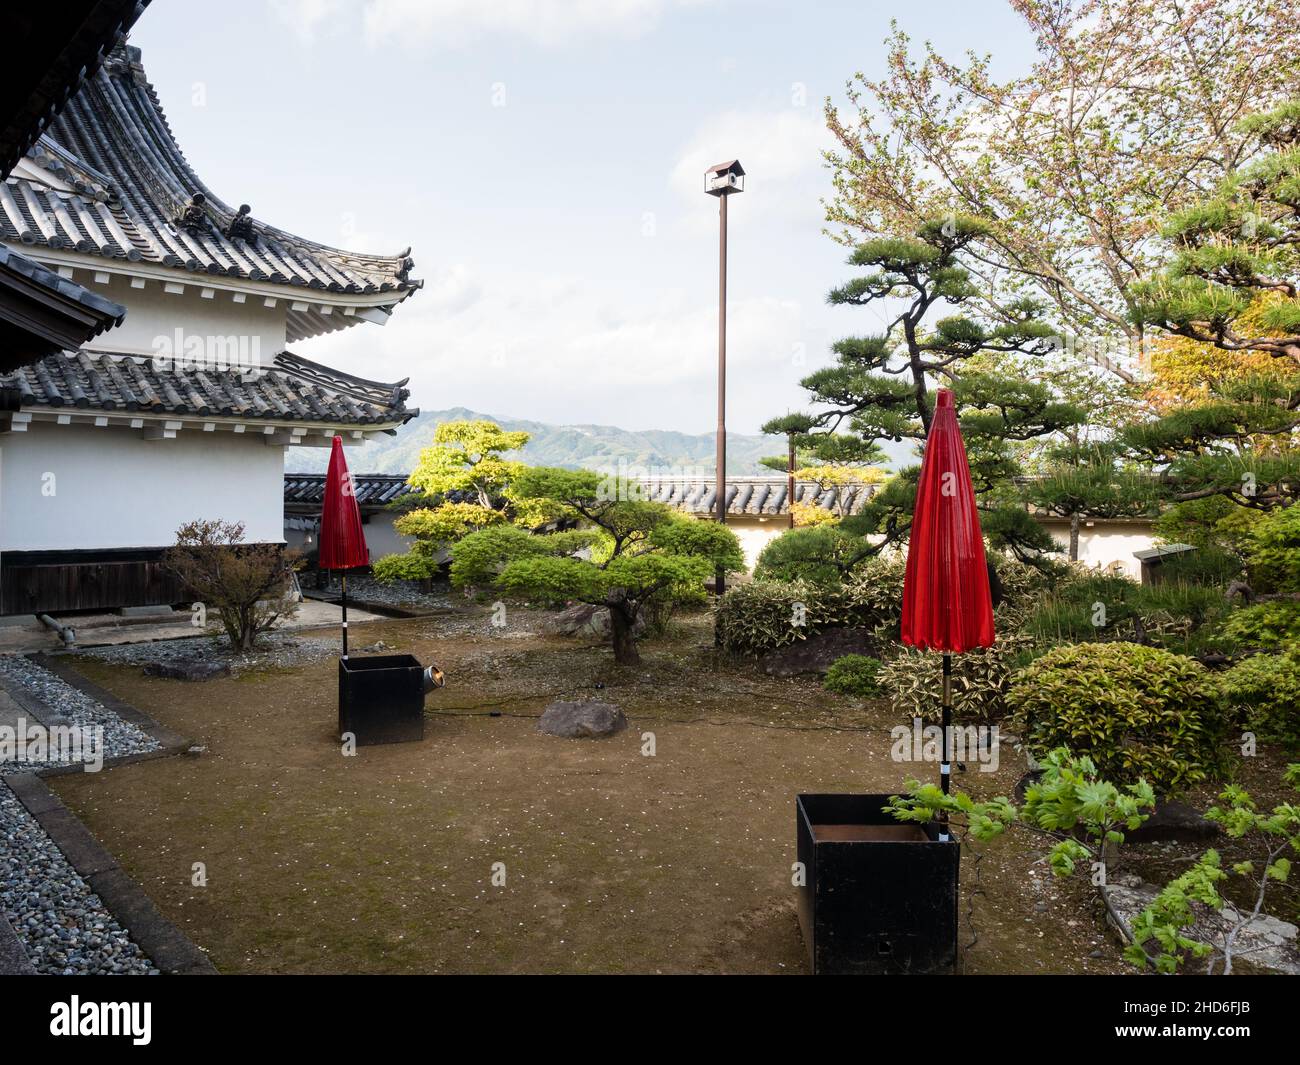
[615, 861]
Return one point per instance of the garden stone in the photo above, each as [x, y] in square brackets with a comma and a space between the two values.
[1173, 821]
[585, 619]
[818, 652]
[192, 669]
[581, 720]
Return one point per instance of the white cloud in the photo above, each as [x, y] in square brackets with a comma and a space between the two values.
[559, 349]
[307, 18]
[545, 22]
[776, 147]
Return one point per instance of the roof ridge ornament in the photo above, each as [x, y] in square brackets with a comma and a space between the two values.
[193, 216]
[241, 226]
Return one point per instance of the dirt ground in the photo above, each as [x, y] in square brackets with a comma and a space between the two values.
[615, 861]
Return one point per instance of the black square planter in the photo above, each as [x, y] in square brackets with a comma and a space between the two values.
[381, 698]
[880, 895]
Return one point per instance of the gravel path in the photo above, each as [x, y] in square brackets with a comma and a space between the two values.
[399, 593]
[119, 737]
[274, 650]
[62, 925]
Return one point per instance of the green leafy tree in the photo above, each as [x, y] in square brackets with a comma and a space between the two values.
[1128, 111]
[880, 385]
[463, 482]
[628, 555]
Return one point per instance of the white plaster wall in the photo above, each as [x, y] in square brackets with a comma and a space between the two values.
[152, 313]
[1103, 546]
[1099, 545]
[112, 488]
[381, 538]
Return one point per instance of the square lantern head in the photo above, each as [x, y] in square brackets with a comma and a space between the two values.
[722, 179]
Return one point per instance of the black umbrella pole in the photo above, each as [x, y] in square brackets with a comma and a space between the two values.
[345, 625]
[945, 763]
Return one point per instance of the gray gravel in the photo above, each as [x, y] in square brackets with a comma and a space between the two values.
[75, 708]
[62, 925]
[274, 650]
[399, 593]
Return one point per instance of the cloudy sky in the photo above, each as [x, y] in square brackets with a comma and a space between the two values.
[544, 160]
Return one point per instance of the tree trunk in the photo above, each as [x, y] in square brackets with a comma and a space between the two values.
[622, 617]
[1074, 537]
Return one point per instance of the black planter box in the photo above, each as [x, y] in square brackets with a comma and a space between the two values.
[381, 698]
[880, 895]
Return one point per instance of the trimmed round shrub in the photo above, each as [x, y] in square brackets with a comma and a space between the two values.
[854, 675]
[815, 553]
[765, 615]
[1264, 690]
[1136, 711]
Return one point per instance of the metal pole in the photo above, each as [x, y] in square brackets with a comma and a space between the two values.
[721, 480]
[345, 615]
[789, 481]
[945, 766]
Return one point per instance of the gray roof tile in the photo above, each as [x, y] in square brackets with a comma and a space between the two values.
[292, 389]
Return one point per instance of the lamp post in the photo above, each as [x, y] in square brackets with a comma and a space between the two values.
[721, 180]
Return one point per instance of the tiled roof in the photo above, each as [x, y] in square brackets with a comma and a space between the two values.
[131, 195]
[759, 496]
[372, 489]
[291, 390]
[42, 313]
[49, 49]
[105, 311]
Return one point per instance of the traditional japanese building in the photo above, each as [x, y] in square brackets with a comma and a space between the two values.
[182, 408]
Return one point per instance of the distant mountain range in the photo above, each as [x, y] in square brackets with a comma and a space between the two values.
[598, 447]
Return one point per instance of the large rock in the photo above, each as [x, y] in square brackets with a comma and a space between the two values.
[815, 654]
[586, 620]
[1267, 945]
[1173, 821]
[191, 669]
[581, 720]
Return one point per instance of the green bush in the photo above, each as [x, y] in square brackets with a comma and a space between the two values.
[816, 554]
[913, 681]
[1265, 691]
[763, 616]
[1275, 623]
[854, 675]
[410, 567]
[1274, 552]
[1136, 711]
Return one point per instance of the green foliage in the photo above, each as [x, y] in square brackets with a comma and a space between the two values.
[1274, 623]
[763, 615]
[408, 567]
[1162, 923]
[1274, 552]
[478, 558]
[1138, 712]
[854, 675]
[819, 554]
[1265, 690]
[1092, 607]
[638, 555]
[913, 680]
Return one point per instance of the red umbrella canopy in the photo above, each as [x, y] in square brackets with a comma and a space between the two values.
[947, 605]
[342, 543]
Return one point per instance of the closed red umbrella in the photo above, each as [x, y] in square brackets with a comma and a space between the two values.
[342, 543]
[947, 603]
